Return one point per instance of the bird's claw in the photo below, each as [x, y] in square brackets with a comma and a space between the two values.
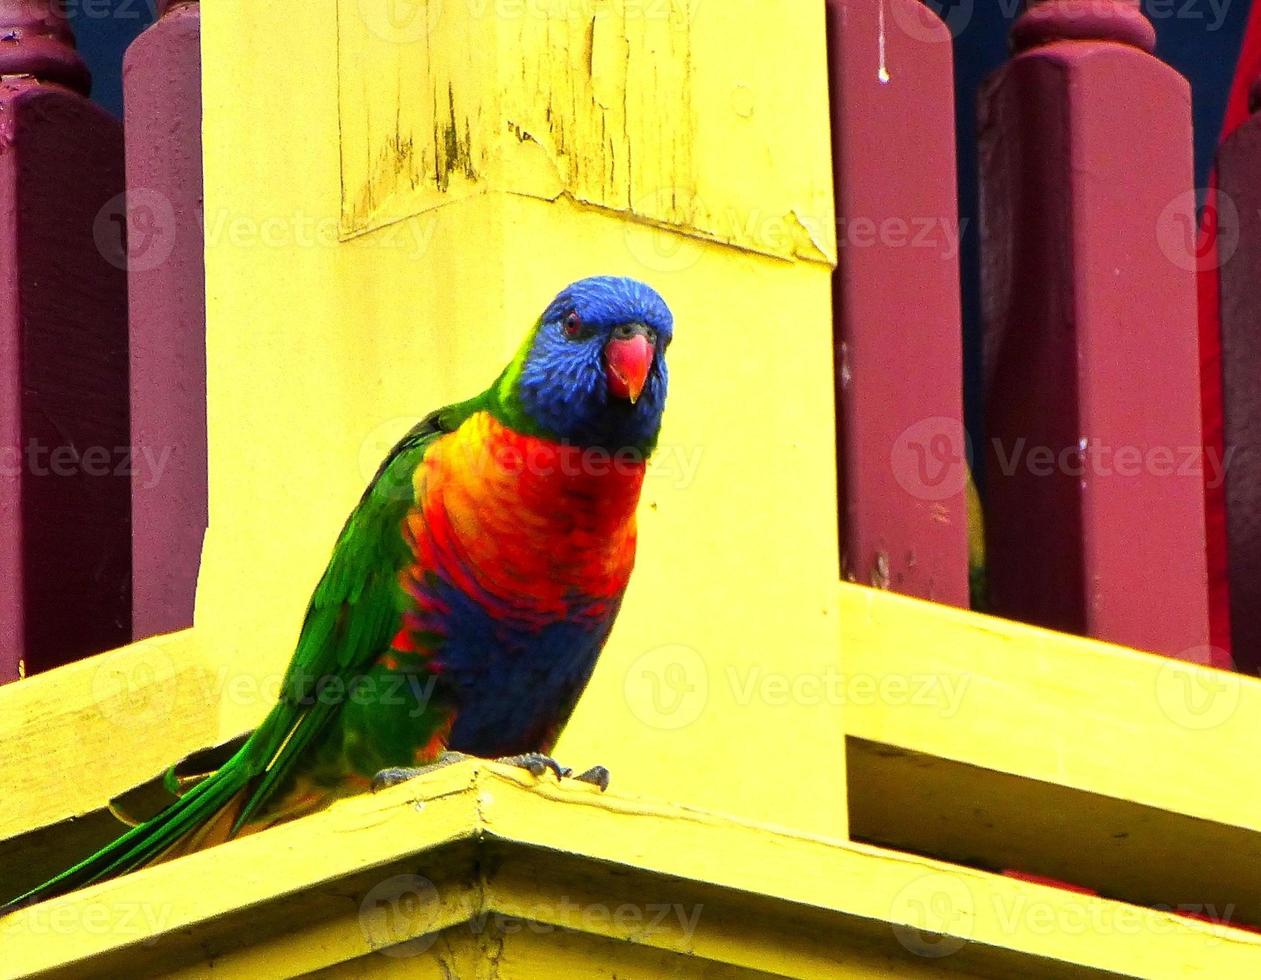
[535, 763]
[596, 776]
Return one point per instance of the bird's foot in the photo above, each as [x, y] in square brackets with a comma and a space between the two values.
[537, 763]
[401, 774]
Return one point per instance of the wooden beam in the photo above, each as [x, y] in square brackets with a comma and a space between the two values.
[74, 738]
[453, 869]
[1018, 747]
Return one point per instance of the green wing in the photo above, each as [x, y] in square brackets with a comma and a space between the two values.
[354, 612]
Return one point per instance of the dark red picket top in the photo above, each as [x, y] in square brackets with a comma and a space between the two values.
[1095, 508]
[167, 286]
[899, 372]
[65, 552]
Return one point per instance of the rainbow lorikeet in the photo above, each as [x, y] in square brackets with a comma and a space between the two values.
[469, 593]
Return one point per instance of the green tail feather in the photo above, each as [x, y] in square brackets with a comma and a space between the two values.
[141, 844]
[147, 841]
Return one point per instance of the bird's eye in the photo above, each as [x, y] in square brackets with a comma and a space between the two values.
[572, 325]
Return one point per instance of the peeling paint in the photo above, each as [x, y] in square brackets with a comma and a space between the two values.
[880, 576]
[600, 108]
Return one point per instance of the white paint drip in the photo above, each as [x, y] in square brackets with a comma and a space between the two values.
[882, 72]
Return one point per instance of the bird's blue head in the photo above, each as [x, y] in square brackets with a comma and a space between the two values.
[593, 371]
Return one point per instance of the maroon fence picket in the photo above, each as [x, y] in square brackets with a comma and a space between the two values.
[65, 552]
[162, 88]
[1237, 213]
[901, 441]
[1095, 510]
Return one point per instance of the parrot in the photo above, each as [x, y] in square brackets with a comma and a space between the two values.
[468, 594]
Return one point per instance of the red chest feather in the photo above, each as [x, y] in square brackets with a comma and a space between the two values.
[531, 527]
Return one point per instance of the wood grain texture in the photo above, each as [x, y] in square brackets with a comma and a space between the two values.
[1005, 745]
[652, 110]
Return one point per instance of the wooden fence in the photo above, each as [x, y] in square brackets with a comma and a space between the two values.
[1093, 466]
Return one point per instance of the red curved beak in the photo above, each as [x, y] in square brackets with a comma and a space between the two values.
[626, 364]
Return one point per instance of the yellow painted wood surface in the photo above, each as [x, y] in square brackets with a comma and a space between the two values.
[1058, 708]
[1115, 769]
[479, 865]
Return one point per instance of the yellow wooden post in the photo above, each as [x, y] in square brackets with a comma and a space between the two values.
[388, 210]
